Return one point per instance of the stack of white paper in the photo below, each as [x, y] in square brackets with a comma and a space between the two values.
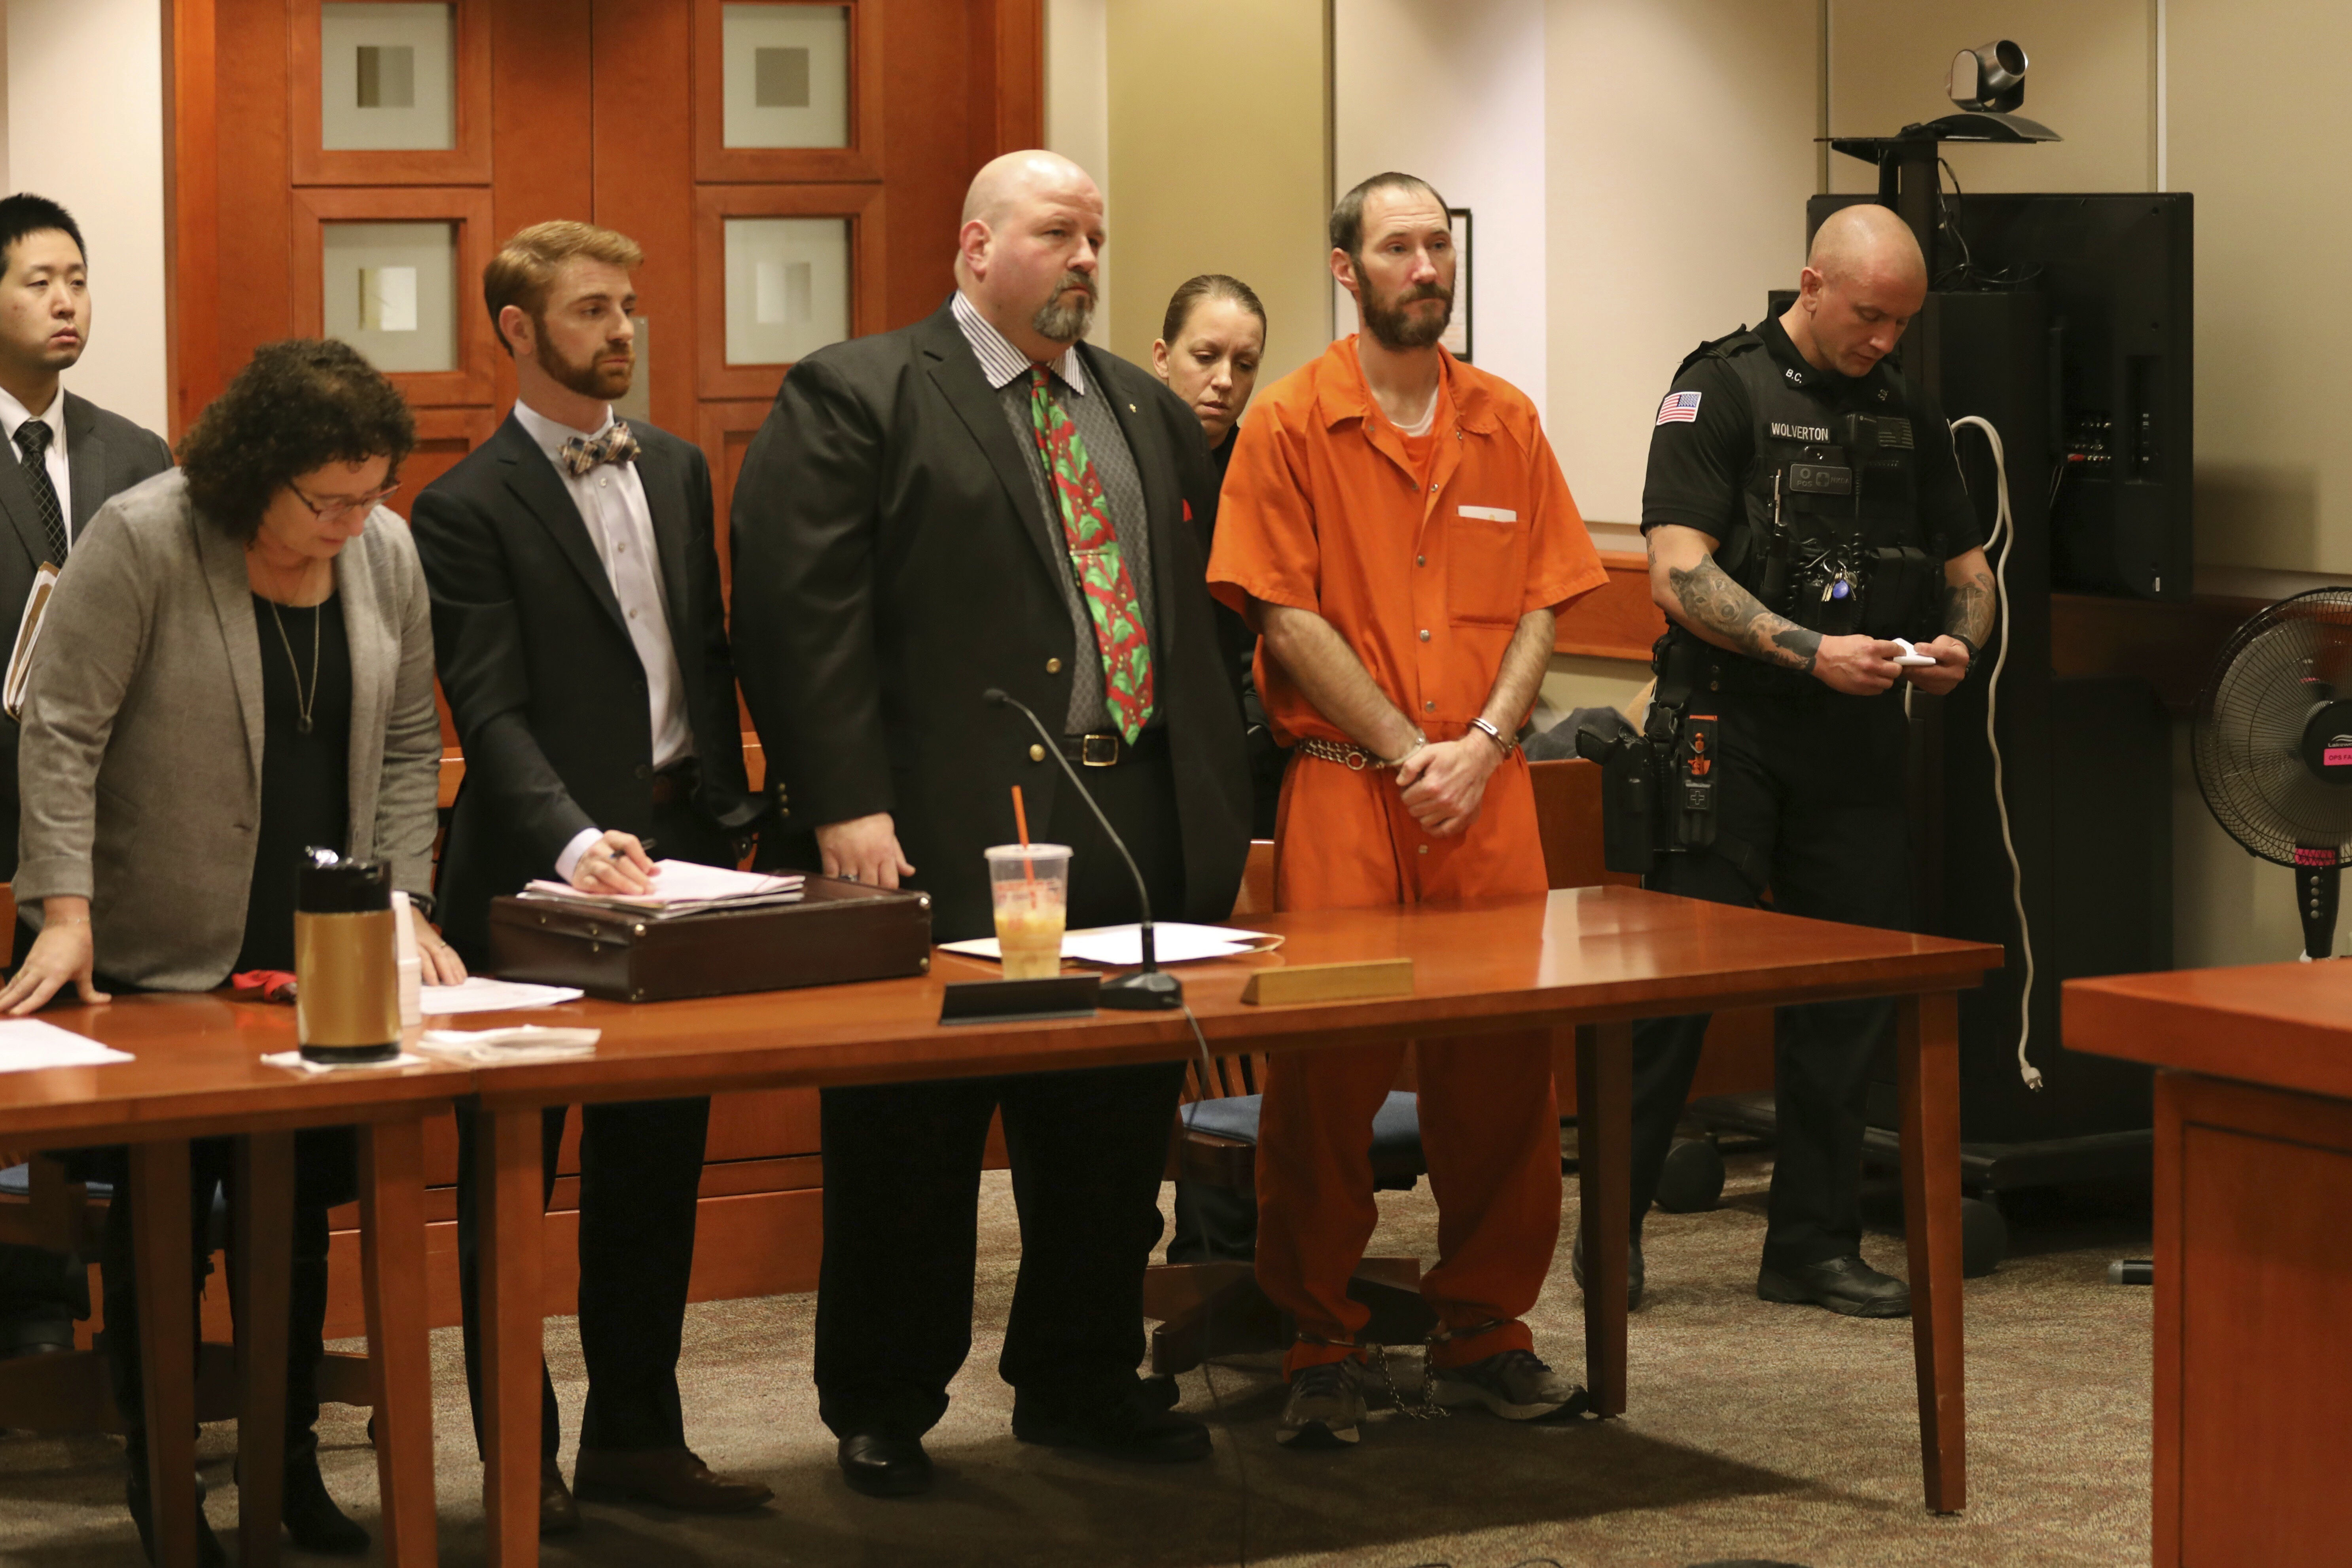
[481, 994]
[682, 888]
[29, 1044]
[1121, 947]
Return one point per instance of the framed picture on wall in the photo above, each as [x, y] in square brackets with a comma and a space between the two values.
[1457, 331]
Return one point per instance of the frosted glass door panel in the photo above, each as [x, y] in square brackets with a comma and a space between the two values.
[391, 292]
[387, 78]
[787, 75]
[787, 287]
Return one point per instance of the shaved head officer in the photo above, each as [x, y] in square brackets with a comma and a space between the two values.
[985, 500]
[1804, 511]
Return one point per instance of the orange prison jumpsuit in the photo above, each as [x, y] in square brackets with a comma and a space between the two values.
[1423, 554]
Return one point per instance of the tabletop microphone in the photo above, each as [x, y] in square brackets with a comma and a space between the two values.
[1149, 988]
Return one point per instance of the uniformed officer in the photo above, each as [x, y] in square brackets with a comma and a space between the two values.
[1803, 506]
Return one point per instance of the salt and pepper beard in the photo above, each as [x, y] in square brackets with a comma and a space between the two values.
[1389, 323]
[1059, 323]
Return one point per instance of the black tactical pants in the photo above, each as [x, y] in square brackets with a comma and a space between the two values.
[1810, 804]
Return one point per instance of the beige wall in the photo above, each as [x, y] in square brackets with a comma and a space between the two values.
[1217, 165]
[85, 115]
[2091, 78]
[1678, 154]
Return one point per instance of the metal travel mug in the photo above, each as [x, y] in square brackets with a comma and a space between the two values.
[346, 961]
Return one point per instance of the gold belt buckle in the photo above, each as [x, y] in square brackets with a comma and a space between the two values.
[1097, 751]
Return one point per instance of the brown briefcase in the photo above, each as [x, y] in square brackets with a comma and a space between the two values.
[840, 931]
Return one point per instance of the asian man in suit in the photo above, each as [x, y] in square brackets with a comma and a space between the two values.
[69, 458]
[581, 643]
[983, 500]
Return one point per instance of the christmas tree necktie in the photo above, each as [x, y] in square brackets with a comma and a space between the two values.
[1095, 562]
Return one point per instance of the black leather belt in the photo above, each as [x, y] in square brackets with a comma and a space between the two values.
[675, 784]
[1109, 751]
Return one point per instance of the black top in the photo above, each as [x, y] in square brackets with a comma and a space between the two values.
[1698, 467]
[305, 777]
[1220, 456]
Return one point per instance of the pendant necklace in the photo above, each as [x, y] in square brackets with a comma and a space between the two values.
[301, 701]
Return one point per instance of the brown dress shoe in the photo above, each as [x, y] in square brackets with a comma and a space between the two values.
[558, 1514]
[672, 1477]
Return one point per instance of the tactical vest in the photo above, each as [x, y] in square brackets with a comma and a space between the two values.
[1828, 533]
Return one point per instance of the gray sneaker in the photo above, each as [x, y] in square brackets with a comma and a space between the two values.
[1326, 1408]
[1514, 1384]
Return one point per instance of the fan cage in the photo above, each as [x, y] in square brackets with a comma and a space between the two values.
[2247, 736]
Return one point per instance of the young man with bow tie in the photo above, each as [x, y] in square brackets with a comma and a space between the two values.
[581, 643]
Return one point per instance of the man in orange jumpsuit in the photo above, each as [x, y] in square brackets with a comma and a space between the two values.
[1396, 527]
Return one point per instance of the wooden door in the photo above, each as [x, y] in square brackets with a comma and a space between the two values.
[614, 111]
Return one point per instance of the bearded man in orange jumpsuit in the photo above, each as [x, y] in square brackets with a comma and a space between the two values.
[1396, 527]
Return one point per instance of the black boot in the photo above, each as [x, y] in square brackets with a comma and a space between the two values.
[312, 1516]
[140, 1501]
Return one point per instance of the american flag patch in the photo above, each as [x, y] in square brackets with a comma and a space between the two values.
[1680, 407]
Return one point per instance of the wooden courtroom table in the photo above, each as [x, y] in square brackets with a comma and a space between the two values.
[1594, 959]
[2253, 1177]
[198, 1073]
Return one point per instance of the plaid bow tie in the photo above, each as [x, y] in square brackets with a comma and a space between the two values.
[614, 445]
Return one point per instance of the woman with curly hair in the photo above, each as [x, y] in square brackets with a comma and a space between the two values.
[236, 665]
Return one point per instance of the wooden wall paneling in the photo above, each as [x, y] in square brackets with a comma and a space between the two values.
[1616, 620]
[643, 136]
[541, 117]
[863, 159]
[863, 205]
[465, 162]
[724, 431]
[941, 60]
[443, 435]
[192, 207]
[470, 209]
[1014, 106]
[254, 220]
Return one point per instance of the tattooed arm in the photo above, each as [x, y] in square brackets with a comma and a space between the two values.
[1697, 595]
[1967, 612]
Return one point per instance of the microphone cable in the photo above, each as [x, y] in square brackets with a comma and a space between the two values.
[2004, 538]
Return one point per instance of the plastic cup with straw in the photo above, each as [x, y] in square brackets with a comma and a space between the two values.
[1029, 884]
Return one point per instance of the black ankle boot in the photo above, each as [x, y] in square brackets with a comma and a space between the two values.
[138, 1498]
[312, 1519]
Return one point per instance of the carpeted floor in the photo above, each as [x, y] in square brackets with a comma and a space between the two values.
[1756, 1432]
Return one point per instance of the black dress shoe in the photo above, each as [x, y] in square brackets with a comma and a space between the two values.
[1844, 1285]
[209, 1551]
[884, 1467]
[558, 1513]
[1632, 1268]
[314, 1520]
[1125, 1426]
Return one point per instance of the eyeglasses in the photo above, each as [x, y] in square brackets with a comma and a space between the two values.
[341, 507]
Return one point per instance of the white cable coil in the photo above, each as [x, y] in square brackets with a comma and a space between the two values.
[2003, 539]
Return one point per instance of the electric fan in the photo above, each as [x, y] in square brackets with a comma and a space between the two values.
[2272, 743]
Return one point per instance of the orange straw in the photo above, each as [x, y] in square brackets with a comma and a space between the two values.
[1020, 823]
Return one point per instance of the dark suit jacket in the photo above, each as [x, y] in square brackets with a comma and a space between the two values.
[546, 689]
[105, 455]
[891, 562]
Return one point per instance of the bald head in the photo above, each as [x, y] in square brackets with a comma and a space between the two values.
[1005, 181]
[1863, 283]
[1028, 251]
[1867, 241]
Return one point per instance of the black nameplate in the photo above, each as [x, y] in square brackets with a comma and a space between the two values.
[1019, 1001]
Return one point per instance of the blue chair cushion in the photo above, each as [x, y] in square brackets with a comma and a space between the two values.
[17, 1182]
[1396, 1127]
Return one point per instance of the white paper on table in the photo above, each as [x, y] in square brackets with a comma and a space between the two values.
[516, 1043]
[1121, 947]
[29, 1044]
[481, 994]
[295, 1061]
[679, 882]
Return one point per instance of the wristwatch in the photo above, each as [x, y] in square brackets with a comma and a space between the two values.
[1505, 746]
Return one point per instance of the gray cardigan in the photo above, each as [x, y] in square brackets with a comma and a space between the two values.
[136, 793]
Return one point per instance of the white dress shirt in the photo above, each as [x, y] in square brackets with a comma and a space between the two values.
[620, 523]
[13, 413]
